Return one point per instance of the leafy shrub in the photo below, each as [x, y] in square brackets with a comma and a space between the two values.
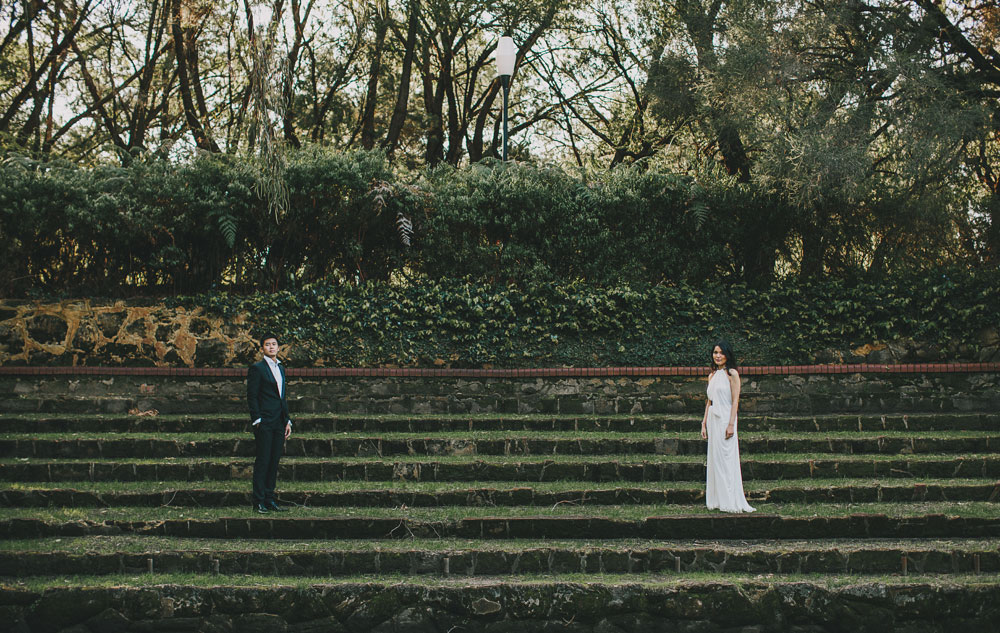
[159, 228]
[504, 222]
[156, 227]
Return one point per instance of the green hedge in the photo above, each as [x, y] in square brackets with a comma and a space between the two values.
[164, 228]
[155, 227]
[465, 324]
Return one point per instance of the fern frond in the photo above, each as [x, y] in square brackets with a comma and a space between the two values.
[405, 229]
[227, 224]
[697, 205]
[700, 211]
[382, 192]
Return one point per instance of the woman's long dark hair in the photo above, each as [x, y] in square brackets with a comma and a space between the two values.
[727, 351]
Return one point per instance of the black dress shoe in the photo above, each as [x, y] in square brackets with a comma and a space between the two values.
[274, 507]
[260, 508]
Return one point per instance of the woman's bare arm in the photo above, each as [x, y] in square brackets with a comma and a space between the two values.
[734, 387]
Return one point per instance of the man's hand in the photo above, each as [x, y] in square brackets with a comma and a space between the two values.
[288, 430]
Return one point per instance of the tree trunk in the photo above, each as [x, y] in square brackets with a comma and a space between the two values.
[403, 95]
[110, 125]
[198, 132]
[734, 154]
[141, 117]
[456, 129]
[371, 97]
[434, 106]
[813, 252]
[288, 119]
[476, 144]
[992, 237]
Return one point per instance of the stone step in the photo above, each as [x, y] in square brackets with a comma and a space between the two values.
[610, 468]
[603, 603]
[526, 494]
[67, 403]
[516, 526]
[568, 444]
[35, 423]
[342, 558]
[871, 401]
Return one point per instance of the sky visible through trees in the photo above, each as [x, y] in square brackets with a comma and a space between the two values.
[843, 108]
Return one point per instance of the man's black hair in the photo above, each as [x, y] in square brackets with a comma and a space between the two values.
[267, 335]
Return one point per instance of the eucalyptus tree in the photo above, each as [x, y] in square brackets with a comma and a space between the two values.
[705, 61]
[839, 110]
[36, 53]
[595, 69]
[127, 77]
[872, 138]
[450, 45]
[968, 34]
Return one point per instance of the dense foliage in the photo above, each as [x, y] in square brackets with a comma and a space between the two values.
[465, 324]
[155, 227]
[877, 120]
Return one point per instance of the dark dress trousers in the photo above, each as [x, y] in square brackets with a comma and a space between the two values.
[271, 408]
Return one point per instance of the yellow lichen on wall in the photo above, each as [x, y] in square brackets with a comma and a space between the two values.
[85, 332]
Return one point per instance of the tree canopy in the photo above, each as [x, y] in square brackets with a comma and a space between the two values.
[875, 124]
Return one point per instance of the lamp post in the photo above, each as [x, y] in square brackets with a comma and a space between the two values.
[506, 55]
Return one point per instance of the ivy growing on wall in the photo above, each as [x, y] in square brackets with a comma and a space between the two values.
[465, 324]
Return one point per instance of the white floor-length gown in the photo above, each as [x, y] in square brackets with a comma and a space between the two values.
[724, 480]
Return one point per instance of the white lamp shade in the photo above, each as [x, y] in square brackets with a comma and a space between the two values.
[506, 55]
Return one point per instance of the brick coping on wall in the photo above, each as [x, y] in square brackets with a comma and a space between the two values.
[550, 372]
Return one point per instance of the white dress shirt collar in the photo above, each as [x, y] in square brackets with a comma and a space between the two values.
[276, 373]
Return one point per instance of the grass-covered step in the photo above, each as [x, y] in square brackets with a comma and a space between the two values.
[421, 494]
[776, 521]
[579, 603]
[444, 557]
[495, 443]
[136, 544]
[537, 468]
[612, 399]
[221, 422]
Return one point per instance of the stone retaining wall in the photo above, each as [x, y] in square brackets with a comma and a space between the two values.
[509, 607]
[138, 333]
[133, 333]
[762, 394]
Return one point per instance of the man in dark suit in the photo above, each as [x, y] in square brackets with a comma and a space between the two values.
[270, 421]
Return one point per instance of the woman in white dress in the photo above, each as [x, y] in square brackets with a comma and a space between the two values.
[724, 481]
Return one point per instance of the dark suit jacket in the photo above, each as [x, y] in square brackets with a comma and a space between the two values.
[263, 398]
